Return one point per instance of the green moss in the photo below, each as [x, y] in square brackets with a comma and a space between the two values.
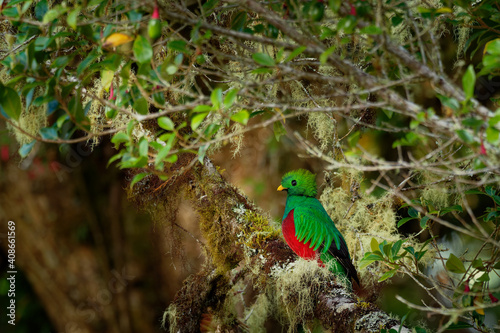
[217, 219]
[256, 229]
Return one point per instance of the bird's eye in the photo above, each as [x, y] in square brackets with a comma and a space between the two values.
[294, 182]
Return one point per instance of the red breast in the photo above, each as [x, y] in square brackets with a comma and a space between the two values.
[301, 249]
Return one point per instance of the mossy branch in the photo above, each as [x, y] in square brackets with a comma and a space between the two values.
[292, 291]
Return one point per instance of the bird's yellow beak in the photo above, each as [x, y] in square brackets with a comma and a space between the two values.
[281, 188]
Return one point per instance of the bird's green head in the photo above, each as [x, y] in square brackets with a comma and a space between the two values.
[299, 182]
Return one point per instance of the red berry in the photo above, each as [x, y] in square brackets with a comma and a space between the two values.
[482, 150]
[156, 14]
[353, 10]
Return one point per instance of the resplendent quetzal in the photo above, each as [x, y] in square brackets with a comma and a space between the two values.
[308, 229]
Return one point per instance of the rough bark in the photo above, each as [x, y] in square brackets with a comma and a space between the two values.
[72, 246]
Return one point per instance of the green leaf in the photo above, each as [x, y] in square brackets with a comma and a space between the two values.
[119, 138]
[459, 325]
[216, 98]
[455, 265]
[490, 190]
[396, 247]
[10, 102]
[450, 102]
[239, 21]
[230, 98]
[209, 6]
[263, 59]
[49, 133]
[474, 192]
[141, 106]
[347, 24]
[165, 150]
[72, 17]
[138, 178]
[178, 45]
[423, 221]
[369, 258]
[478, 263]
[335, 5]
[493, 47]
[410, 250]
[371, 30]
[324, 56]
[143, 51]
[465, 135]
[404, 220]
[93, 55]
[455, 208]
[241, 117]
[279, 130]
[469, 81]
[483, 278]
[172, 69]
[40, 9]
[26, 149]
[166, 123]
[143, 147]
[133, 162]
[198, 119]
[60, 62]
[492, 135]
[54, 13]
[107, 78]
[202, 108]
[387, 275]
[295, 53]
[202, 152]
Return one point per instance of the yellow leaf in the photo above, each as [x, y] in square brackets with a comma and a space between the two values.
[117, 39]
[487, 44]
[477, 302]
[106, 79]
[374, 245]
[444, 10]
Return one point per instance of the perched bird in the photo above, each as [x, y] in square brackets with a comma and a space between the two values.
[308, 229]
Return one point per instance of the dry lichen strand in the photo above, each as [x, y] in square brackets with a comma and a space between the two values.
[368, 217]
[323, 128]
[258, 313]
[295, 290]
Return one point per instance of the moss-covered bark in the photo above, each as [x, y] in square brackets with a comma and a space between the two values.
[245, 253]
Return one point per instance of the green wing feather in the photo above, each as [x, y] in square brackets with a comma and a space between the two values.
[312, 223]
